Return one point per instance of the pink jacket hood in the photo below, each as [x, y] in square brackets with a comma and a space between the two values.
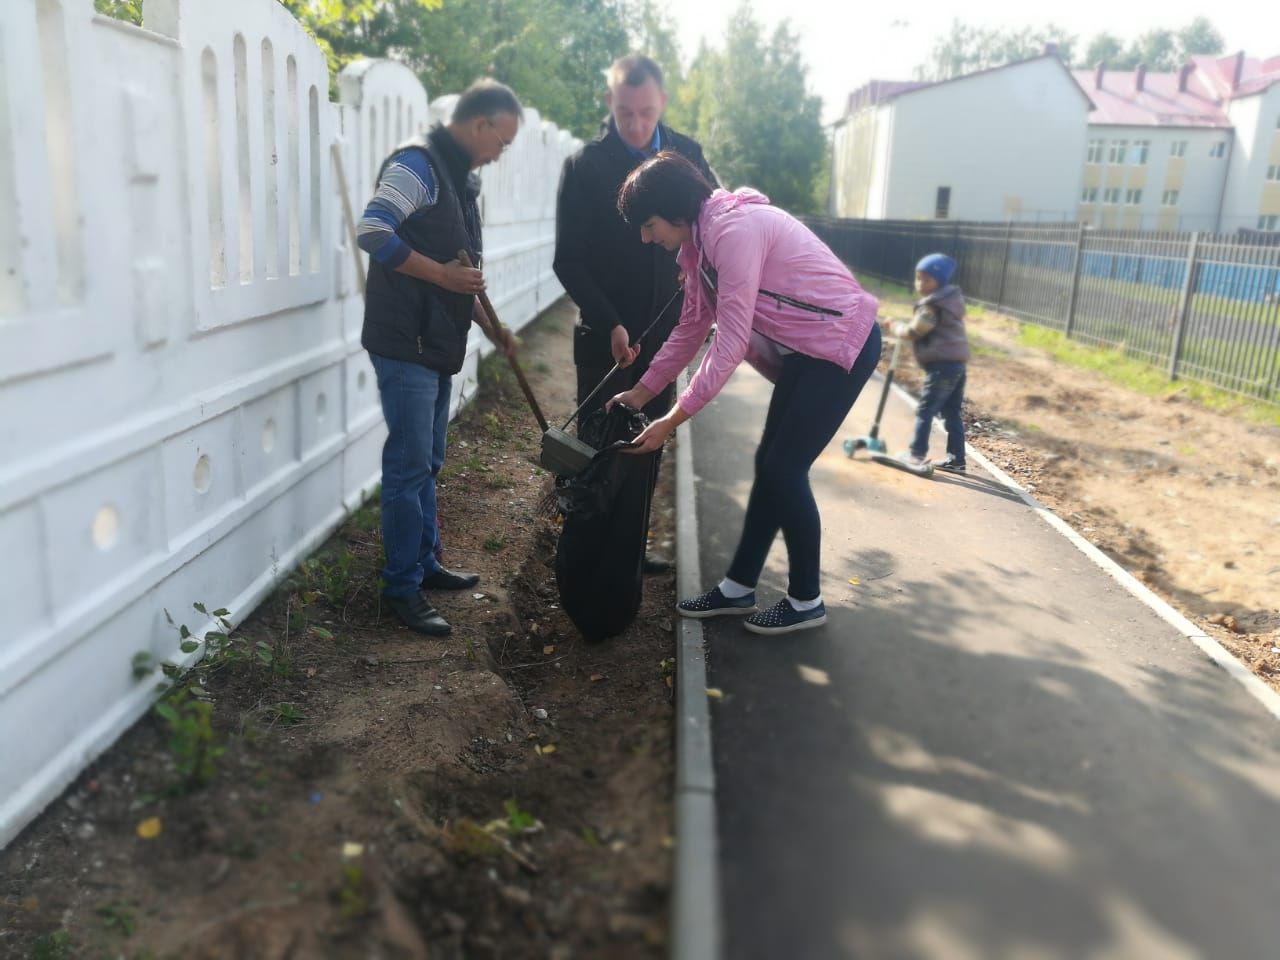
[779, 289]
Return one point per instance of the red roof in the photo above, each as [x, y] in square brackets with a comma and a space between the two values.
[1164, 101]
[1158, 104]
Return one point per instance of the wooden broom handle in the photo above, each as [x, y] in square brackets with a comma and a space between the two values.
[491, 332]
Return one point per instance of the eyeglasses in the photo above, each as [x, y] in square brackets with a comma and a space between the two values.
[505, 143]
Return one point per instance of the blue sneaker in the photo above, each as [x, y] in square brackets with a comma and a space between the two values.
[782, 617]
[713, 603]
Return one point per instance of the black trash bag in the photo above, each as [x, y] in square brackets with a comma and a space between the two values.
[600, 555]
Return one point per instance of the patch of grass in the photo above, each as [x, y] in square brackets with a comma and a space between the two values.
[498, 482]
[1142, 377]
[495, 429]
[494, 544]
[331, 573]
[518, 820]
[542, 367]
[284, 713]
[353, 892]
[118, 917]
[52, 946]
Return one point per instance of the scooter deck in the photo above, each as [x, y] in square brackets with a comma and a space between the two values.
[924, 470]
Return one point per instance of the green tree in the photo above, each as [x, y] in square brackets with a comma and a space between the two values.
[1103, 48]
[965, 48]
[1199, 37]
[750, 107]
[653, 33]
[1161, 50]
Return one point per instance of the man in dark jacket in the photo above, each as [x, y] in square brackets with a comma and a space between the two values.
[618, 282]
[419, 305]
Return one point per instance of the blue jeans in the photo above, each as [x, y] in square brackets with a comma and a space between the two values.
[415, 404]
[943, 393]
[810, 401]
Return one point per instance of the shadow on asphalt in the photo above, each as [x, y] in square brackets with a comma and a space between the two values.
[967, 786]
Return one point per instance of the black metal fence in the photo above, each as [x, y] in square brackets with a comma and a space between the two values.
[1204, 306]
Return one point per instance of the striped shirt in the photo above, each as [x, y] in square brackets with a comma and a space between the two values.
[408, 184]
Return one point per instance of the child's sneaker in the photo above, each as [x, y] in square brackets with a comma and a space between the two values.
[713, 603]
[909, 458]
[782, 617]
[951, 465]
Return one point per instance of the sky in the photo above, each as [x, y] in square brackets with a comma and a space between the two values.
[846, 44]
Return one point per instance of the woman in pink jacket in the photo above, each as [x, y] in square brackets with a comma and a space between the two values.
[783, 302]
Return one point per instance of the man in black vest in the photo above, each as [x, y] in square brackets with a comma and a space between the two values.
[419, 305]
[618, 282]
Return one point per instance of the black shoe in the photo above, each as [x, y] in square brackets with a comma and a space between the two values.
[656, 563]
[951, 465]
[444, 579]
[416, 614]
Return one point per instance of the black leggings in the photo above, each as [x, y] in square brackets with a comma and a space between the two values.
[810, 401]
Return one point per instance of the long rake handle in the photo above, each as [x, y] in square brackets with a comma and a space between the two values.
[618, 366]
[494, 326]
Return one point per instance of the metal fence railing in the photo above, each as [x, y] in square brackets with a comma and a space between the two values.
[1203, 306]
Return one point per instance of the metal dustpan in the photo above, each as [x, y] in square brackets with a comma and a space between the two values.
[563, 453]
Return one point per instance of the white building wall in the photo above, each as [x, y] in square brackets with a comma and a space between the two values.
[1197, 176]
[1006, 142]
[878, 186]
[185, 410]
[1257, 146]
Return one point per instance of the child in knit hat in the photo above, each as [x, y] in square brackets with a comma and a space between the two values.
[941, 347]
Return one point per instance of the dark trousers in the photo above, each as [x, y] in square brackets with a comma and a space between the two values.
[810, 401]
[943, 394]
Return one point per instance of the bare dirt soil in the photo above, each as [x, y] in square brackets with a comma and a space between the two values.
[1185, 498]
[502, 793]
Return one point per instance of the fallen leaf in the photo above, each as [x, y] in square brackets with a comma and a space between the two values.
[352, 850]
[150, 828]
[670, 685]
[855, 581]
[597, 677]
[715, 693]
[544, 749]
[549, 649]
[311, 672]
[813, 675]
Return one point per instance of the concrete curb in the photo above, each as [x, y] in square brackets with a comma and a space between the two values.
[1214, 650]
[695, 897]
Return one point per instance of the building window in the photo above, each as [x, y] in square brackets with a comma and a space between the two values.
[1178, 148]
[1273, 172]
[1270, 224]
[1170, 198]
[1117, 151]
[1133, 197]
[1219, 149]
[1089, 195]
[1138, 155]
[1111, 195]
[1095, 151]
[942, 206]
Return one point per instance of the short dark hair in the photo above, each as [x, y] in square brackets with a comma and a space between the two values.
[666, 186]
[485, 98]
[634, 70]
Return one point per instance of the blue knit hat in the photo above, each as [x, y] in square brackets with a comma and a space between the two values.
[939, 266]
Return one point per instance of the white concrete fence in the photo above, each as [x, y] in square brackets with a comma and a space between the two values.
[185, 409]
